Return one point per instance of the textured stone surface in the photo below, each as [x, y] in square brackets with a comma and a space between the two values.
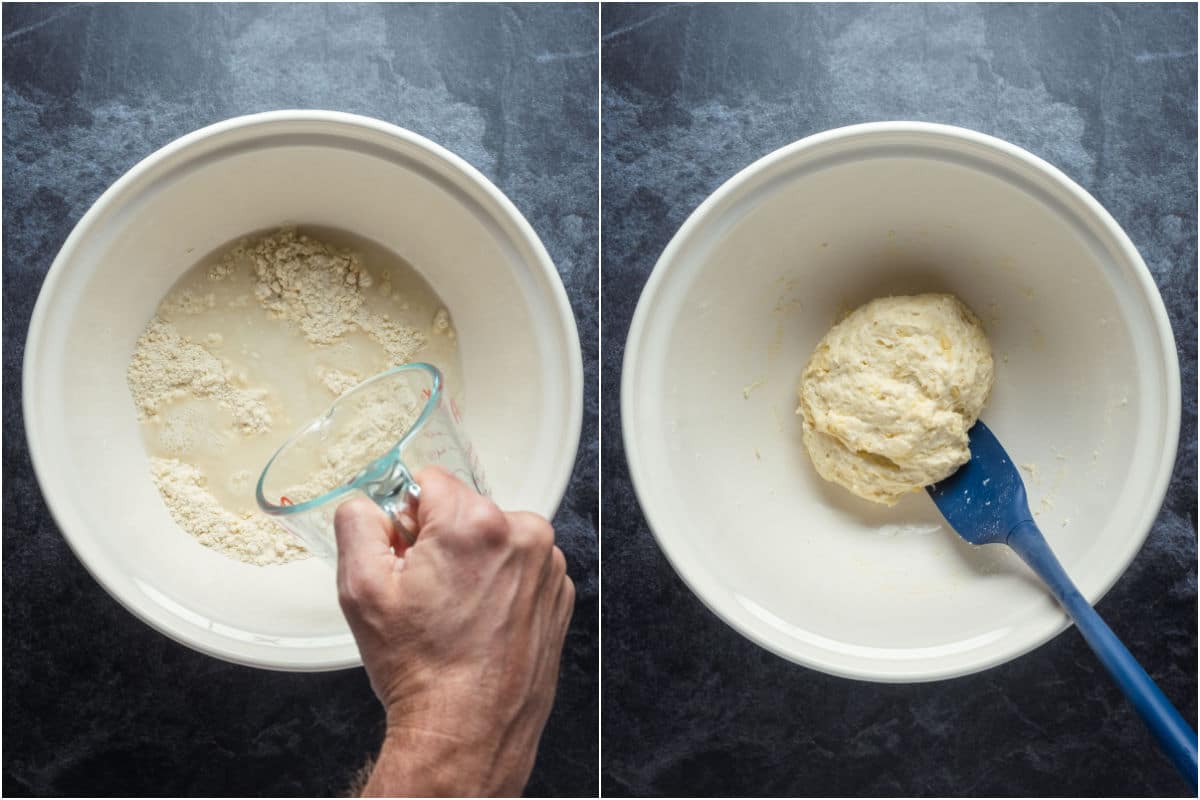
[691, 95]
[94, 701]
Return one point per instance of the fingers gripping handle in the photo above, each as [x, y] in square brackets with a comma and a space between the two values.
[395, 494]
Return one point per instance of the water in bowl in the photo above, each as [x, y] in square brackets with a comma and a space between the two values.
[301, 379]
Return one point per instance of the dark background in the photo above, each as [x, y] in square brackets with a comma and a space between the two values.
[693, 94]
[95, 702]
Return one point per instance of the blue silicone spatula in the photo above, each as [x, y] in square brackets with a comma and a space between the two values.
[984, 501]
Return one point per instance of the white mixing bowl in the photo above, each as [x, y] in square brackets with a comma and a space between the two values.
[520, 355]
[1086, 395]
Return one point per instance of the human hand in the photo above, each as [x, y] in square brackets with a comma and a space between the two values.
[460, 633]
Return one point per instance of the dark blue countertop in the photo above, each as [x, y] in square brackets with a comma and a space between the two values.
[94, 701]
[691, 95]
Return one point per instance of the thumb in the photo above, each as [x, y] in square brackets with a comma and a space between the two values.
[442, 497]
[364, 543]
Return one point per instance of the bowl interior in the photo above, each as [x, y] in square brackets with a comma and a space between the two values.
[518, 346]
[729, 319]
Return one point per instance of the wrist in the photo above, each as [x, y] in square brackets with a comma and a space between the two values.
[418, 761]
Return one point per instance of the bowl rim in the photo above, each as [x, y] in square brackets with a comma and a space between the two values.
[938, 135]
[324, 657]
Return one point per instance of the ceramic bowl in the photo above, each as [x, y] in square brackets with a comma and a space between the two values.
[1086, 396]
[521, 361]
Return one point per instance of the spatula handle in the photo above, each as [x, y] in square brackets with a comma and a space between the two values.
[1174, 735]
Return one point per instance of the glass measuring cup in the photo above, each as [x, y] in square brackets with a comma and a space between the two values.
[369, 442]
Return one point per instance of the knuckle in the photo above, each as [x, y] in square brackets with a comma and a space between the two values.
[544, 532]
[558, 562]
[533, 533]
[488, 522]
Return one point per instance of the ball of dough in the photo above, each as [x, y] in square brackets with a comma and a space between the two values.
[891, 391]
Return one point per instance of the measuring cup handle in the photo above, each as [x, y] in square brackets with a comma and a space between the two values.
[395, 498]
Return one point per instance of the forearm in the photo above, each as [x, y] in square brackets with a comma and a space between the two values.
[421, 763]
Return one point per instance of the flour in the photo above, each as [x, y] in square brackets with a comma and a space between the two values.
[441, 324]
[250, 537]
[309, 283]
[338, 381]
[320, 288]
[167, 366]
[188, 302]
[256, 341]
[399, 341]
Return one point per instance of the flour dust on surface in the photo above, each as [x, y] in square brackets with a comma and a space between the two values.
[256, 340]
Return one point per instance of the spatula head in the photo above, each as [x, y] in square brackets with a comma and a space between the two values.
[985, 498]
